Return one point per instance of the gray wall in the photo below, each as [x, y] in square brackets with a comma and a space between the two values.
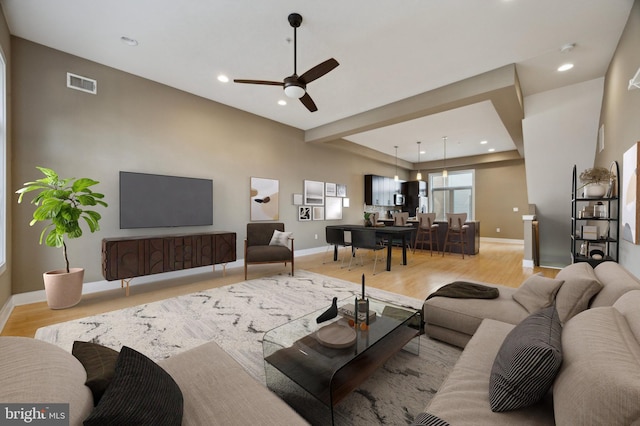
[620, 109]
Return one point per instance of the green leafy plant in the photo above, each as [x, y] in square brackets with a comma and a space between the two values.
[62, 202]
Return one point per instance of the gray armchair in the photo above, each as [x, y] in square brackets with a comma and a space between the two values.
[257, 247]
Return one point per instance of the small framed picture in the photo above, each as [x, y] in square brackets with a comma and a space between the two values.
[318, 213]
[304, 213]
[341, 190]
[297, 199]
[330, 189]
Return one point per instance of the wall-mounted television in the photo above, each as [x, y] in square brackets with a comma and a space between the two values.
[156, 201]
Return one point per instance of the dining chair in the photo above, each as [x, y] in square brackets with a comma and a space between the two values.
[365, 239]
[456, 232]
[400, 218]
[427, 232]
[335, 239]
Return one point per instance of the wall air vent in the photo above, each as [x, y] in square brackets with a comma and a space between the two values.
[82, 83]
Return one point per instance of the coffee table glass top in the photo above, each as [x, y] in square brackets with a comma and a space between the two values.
[302, 351]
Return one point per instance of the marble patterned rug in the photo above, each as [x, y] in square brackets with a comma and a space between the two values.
[237, 316]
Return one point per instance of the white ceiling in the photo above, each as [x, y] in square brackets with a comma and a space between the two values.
[388, 51]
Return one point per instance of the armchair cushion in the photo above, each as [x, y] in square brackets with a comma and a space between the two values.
[265, 254]
[280, 238]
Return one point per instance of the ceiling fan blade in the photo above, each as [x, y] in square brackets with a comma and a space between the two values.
[318, 71]
[308, 102]
[265, 82]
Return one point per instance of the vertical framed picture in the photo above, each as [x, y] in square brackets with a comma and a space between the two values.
[341, 190]
[313, 193]
[330, 189]
[318, 213]
[333, 208]
[297, 199]
[263, 199]
[629, 192]
[304, 213]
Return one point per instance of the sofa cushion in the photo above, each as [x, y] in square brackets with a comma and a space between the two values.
[599, 382]
[580, 285]
[36, 371]
[220, 392]
[616, 280]
[537, 292]
[141, 393]
[463, 398]
[465, 315]
[280, 238]
[527, 362]
[99, 362]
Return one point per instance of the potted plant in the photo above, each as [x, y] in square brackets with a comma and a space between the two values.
[595, 181]
[367, 219]
[62, 203]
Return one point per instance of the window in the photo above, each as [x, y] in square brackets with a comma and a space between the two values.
[452, 194]
[3, 163]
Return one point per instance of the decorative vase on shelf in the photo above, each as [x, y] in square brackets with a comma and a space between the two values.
[595, 190]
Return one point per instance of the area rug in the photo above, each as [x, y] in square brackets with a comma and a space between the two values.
[237, 316]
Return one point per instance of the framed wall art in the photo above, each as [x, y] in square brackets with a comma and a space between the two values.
[330, 189]
[341, 190]
[304, 213]
[313, 193]
[318, 213]
[629, 192]
[333, 208]
[264, 195]
[297, 199]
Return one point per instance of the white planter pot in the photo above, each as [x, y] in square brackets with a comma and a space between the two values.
[595, 190]
[63, 289]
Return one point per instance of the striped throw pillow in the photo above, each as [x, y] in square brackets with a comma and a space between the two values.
[527, 362]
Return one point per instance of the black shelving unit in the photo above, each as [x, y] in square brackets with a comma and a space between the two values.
[608, 225]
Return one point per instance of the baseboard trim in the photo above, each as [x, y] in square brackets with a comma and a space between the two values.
[104, 285]
[527, 263]
[5, 312]
[501, 240]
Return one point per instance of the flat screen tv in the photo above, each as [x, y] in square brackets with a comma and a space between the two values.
[156, 201]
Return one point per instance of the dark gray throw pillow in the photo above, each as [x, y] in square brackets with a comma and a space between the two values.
[426, 419]
[141, 393]
[100, 364]
[527, 362]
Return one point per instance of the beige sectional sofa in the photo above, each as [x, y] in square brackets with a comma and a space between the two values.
[598, 381]
[215, 389]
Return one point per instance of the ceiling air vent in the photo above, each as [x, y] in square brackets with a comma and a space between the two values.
[82, 83]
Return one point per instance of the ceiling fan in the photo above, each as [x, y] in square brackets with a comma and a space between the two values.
[296, 86]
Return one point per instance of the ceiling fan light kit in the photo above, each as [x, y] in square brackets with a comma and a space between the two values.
[296, 86]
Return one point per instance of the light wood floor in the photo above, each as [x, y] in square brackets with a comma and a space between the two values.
[499, 263]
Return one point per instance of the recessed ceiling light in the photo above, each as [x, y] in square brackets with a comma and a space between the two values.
[282, 102]
[423, 152]
[483, 142]
[223, 78]
[565, 67]
[492, 149]
[129, 41]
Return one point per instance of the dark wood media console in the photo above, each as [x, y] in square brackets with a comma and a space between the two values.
[129, 257]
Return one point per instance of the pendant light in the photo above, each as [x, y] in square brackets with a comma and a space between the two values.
[444, 161]
[395, 177]
[419, 175]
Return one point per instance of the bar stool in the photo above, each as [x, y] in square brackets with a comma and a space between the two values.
[426, 231]
[456, 232]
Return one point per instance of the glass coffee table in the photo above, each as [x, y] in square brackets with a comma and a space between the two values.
[314, 366]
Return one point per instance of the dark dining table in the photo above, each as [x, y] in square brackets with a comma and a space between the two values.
[388, 233]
